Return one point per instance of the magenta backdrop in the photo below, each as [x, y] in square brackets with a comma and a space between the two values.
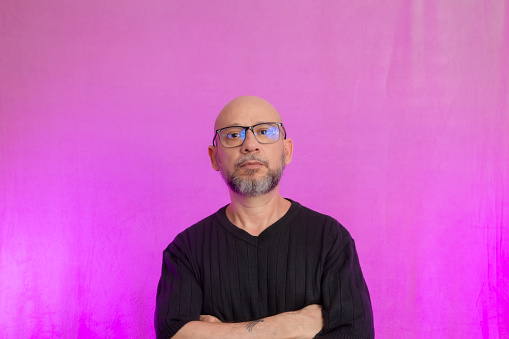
[399, 115]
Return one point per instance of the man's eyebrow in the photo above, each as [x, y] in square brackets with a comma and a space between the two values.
[231, 125]
[256, 123]
[240, 125]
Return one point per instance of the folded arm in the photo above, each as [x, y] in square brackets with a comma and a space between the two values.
[305, 323]
[347, 307]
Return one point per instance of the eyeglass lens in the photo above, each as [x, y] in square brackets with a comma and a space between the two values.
[234, 136]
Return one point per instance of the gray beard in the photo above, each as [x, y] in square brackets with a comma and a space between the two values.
[251, 187]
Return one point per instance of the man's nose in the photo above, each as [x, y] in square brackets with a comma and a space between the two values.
[250, 143]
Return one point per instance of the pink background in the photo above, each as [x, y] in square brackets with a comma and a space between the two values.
[399, 115]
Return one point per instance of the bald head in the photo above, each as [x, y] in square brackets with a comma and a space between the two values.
[246, 111]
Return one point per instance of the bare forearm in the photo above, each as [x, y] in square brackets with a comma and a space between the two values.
[299, 324]
[202, 329]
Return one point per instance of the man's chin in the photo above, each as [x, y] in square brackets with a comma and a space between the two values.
[251, 173]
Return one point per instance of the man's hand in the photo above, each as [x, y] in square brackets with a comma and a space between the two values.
[209, 318]
[310, 320]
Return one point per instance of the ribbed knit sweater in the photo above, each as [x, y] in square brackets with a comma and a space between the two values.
[304, 258]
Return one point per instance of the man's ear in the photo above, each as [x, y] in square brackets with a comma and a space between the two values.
[213, 156]
[288, 146]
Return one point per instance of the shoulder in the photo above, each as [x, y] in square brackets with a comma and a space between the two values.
[329, 226]
[191, 237]
[199, 228]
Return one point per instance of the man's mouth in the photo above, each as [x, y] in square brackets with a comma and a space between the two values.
[251, 164]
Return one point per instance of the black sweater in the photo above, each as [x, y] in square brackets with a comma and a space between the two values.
[304, 258]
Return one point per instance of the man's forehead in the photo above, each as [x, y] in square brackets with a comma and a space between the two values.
[246, 111]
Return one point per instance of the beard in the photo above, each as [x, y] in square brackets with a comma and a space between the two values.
[251, 187]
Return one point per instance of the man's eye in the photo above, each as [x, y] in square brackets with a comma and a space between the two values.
[233, 135]
[262, 131]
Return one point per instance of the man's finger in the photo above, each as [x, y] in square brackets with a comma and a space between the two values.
[209, 318]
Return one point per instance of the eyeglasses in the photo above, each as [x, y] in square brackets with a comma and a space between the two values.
[234, 136]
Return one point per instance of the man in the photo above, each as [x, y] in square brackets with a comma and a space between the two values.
[263, 266]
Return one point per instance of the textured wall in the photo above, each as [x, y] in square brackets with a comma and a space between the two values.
[399, 111]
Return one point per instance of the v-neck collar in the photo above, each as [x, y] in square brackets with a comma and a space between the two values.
[266, 233]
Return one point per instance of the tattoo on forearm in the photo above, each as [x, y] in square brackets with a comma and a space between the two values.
[252, 324]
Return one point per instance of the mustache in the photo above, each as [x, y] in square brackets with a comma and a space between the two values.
[251, 157]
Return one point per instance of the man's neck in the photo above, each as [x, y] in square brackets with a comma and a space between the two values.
[255, 214]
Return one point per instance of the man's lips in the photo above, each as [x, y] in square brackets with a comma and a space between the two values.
[251, 164]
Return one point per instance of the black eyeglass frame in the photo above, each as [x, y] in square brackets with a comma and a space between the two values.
[279, 124]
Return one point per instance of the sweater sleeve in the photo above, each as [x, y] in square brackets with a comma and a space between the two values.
[179, 295]
[347, 308]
